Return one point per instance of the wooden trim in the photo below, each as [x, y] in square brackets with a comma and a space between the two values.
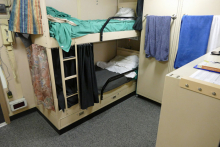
[63, 76]
[3, 104]
[50, 63]
[69, 59]
[70, 77]
[77, 72]
[206, 87]
[126, 52]
[71, 95]
[90, 38]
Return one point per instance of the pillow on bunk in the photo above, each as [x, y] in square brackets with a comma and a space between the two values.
[121, 64]
[125, 12]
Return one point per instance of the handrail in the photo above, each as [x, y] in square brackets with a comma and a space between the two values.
[105, 24]
[113, 79]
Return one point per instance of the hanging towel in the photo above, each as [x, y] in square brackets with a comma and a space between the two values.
[214, 37]
[193, 40]
[157, 37]
[139, 10]
[26, 17]
[40, 74]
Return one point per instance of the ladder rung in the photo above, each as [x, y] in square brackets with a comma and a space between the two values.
[69, 58]
[71, 77]
[71, 95]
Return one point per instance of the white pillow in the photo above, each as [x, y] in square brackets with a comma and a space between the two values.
[125, 12]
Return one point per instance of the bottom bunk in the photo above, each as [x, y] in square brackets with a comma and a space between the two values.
[109, 92]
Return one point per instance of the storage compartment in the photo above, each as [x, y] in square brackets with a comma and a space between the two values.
[71, 87]
[70, 68]
[72, 118]
[70, 54]
[132, 43]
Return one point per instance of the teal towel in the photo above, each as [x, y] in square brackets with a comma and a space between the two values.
[63, 32]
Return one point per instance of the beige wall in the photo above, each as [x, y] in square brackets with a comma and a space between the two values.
[86, 9]
[127, 43]
[104, 51]
[102, 9]
[21, 86]
[67, 6]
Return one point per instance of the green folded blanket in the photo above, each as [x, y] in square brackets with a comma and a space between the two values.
[63, 32]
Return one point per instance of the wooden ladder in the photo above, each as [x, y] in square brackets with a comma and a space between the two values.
[64, 79]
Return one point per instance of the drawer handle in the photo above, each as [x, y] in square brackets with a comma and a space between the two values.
[187, 85]
[81, 113]
[200, 89]
[114, 97]
[214, 93]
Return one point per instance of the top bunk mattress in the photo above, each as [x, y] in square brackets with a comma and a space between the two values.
[64, 32]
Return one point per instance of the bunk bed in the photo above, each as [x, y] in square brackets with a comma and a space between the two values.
[61, 119]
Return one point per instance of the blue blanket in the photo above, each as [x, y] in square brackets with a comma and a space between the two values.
[193, 40]
[157, 37]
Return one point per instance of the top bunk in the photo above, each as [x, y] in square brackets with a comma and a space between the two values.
[49, 42]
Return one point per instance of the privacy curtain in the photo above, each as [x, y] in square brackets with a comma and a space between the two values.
[26, 17]
[40, 74]
[139, 10]
[87, 79]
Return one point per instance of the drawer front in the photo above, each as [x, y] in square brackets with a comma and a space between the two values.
[110, 99]
[72, 118]
[117, 95]
[69, 111]
[78, 115]
[93, 108]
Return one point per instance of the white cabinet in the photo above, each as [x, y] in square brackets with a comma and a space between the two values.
[152, 73]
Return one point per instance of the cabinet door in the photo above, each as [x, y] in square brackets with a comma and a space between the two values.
[201, 7]
[152, 73]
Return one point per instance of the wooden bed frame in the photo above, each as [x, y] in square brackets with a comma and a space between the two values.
[49, 42]
[62, 119]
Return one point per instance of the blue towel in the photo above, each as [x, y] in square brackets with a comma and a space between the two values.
[157, 37]
[193, 40]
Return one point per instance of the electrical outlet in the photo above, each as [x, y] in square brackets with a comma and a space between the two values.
[2, 8]
[7, 35]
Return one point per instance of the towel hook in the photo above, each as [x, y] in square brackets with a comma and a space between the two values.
[174, 16]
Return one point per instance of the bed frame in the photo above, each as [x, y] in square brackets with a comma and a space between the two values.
[62, 119]
[49, 42]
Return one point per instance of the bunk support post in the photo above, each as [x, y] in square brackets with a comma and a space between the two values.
[63, 77]
[52, 78]
[77, 75]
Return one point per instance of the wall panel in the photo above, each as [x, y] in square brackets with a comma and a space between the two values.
[152, 73]
[67, 6]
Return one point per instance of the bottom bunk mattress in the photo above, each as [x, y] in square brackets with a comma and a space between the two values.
[102, 75]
